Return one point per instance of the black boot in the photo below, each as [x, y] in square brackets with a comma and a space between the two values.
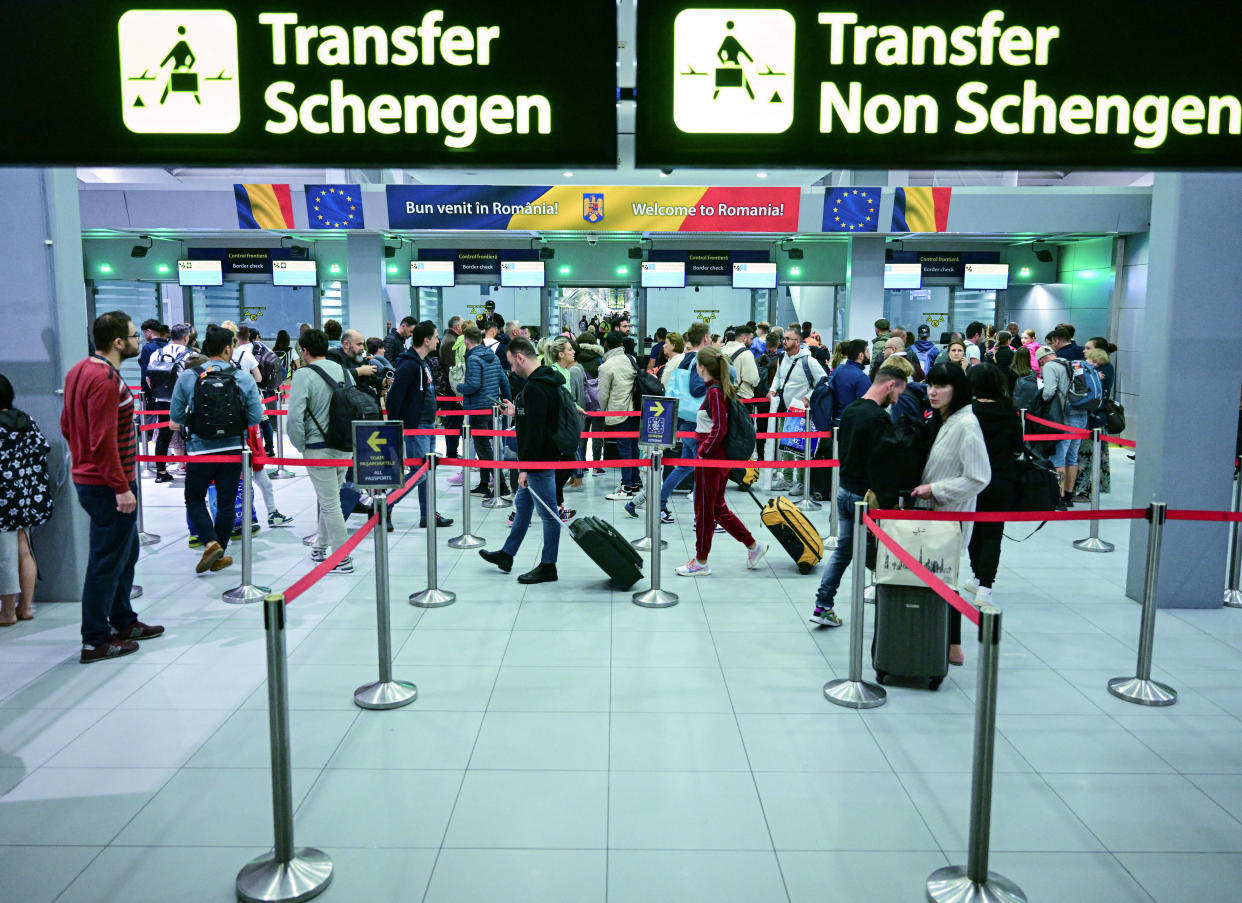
[543, 573]
[500, 558]
[482, 489]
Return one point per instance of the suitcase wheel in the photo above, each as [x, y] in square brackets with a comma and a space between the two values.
[934, 683]
[804, 567]
[881, 676]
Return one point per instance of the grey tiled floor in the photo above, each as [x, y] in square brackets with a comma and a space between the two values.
[569, 746]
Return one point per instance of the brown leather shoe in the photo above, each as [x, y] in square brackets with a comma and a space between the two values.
[212, 553]
[137, 631]
[225, 561]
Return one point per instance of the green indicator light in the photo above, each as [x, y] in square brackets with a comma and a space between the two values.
[795, 271]
[334, 268]
[105, 268]
[392, 269]
[1088, 274]
[1025, 271]
[622, 271]
[564, 271]
[162, 268]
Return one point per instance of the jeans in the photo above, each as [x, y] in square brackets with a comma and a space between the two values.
[627, 448]
[110, 567]
[197, 478]
[417, 447]
[484, 450]
[542, 483]
[592, 425]
[844, 552]
[689, 449]
[327, 482]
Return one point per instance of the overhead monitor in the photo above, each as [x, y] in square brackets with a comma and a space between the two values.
[294, 272]
[432, 273]
[199, 272]
[521, 273]
[663, 274]
[903, 275]
[754, 275]
[986, 275]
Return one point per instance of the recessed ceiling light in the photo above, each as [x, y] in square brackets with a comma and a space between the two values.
[761, 175]
[567, 175]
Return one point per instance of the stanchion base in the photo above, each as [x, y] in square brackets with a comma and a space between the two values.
[246, 593]
[643, 543]
[281, 474]
[433, 598]
[950, 885]
[310, 540]
[148, 539]
[467, 541]
[656, 598]
[303, 877]
[390, 694]
[830, 543]
[135, 591]
[805, 504]
[1093, 544]
[855, 694]
[501, 502]
[1142, 692]
[1233, 598]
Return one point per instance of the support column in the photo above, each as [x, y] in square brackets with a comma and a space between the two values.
[41, 242]
[368, 289]
[1193, 273]
[865, 286]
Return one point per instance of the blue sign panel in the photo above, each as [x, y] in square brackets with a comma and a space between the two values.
[658, 424]
[378, 452]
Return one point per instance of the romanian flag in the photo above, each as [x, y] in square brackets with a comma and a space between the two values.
[921, 209]
[263, 206]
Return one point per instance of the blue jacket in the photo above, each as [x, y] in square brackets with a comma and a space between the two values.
[485, 381]
[408, 396]
[849, 384]
[183, 403]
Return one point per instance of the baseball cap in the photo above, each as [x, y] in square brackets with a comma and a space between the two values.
[924, 331]
[1043, 351]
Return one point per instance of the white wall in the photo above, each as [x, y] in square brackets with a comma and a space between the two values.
[674, 308]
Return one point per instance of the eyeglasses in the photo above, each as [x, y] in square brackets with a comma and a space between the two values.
[135, 335]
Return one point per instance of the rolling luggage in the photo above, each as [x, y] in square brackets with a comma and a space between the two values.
[792, 530]
[911, 634]
[606, 547]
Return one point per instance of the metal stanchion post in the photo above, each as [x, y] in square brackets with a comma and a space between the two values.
[144, 440]
[643, 544]
[854, 692]
[1093, 543]
[466, 540]
[247, 591]
[955, 884]
[655, 597]
[807, 503]
[769, 449]
[834, 523]
[281, 472]
[144, 538]
[385, 693]
[498, 453]
[1233, 593]
[432, 596]
[1141, 689]
[286, 874]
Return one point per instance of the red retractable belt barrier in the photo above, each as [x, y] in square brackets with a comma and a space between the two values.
[934, 583]
[1228, 517]
[434, 432]
[537, 465]
[717, 464]
[448, 398]
[1117, 440]
[1072, 431]
[995, 517]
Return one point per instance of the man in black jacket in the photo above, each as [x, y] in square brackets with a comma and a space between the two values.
[394, 342]
[536, 411]
[412, 400]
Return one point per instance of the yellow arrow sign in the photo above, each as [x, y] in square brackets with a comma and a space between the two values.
[657, 408]
[376, 441]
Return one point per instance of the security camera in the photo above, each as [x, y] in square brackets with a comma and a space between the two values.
[592, 239]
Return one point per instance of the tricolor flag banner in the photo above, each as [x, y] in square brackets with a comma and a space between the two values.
[263, 206]
[334, 206]
[852, 210]
[921, 209]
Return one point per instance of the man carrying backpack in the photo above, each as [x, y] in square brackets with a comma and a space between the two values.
[537, 412]
[483, 384]
[1067, 396]
[216, 404]
[271, 377]
[163, 370]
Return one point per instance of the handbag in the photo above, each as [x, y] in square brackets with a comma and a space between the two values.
[937, 545]
[1114, 416]
[1038, 485]
[796, 424]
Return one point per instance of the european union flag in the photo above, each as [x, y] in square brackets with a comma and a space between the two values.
[334, 206]
[852, 210]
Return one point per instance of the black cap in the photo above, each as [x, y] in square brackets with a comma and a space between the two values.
[924, 331]
[489, 305]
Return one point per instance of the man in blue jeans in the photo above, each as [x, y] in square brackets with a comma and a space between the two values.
[862, 425]
[536, 416]
[412, 400]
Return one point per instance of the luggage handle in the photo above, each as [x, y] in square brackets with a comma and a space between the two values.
[543, 504]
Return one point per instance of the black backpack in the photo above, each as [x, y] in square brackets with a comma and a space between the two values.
[645, 384]
[349, 403]
[568, 428]
[271, 367]
[218, 410]
[162, 375]
[739, 440]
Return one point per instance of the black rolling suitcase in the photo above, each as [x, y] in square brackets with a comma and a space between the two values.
[911, 634]
[606, 547]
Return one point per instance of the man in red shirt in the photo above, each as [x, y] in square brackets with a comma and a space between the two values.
[98, 422]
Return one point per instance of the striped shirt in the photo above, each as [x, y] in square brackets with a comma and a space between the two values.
[98, 422]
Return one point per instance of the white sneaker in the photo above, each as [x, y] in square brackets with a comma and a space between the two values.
[692, 568]
[620, 495]
[753, 555]
[983, 596]
[970, 587]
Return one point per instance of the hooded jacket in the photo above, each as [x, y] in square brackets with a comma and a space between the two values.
[407, 399]
[537, 409]
[25, 487]
[590, 356]
[485, 382]
[616, 384]
[926, 350]
[1002, 434]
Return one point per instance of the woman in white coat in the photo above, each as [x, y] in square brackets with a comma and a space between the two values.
[957, 468]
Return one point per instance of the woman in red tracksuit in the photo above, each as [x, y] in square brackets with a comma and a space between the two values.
[709, 482]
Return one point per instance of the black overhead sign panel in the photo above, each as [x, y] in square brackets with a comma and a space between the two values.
[1059, 83]
[481, 82]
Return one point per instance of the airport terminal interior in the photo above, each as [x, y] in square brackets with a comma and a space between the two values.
[679, 738]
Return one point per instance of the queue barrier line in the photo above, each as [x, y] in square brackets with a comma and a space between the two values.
[1075, 432]
[1117, 440]
[536, 465]
[236, 459]
[720, 464]
[1228, 517]
[432, 432]
[934, 583]
[1049, 437]
[996, 517]
[343, 551]
[448, 398]
[163, 424]
[472, 412]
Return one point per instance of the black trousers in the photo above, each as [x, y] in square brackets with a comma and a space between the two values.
[197, 478]
[985, 539]
[163, 436]
[484, 449]
[452, 443]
